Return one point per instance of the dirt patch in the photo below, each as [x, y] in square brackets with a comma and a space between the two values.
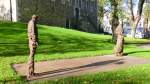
[79, 66]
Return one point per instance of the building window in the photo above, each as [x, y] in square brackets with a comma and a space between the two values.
[67, 23]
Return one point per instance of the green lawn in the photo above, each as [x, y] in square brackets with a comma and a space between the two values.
[60, 43]
[133, 75]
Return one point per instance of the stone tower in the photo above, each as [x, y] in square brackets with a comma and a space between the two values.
[85, 15]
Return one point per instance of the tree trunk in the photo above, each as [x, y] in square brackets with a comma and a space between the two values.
[11, 18]
[146, 28]
[130, 4]
[120, 40]
[114, 26]
[100, 18]
[134, 21]
[114, 20]
[134, 27]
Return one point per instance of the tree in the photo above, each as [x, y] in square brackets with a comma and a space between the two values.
[11, 10]
[117, 27]
[101, 13]
[118, 50]
[146, 20]
[135, 20]
[114, 18]
[101, 9]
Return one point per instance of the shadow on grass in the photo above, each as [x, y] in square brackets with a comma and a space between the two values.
[128, 53]
[13, 43]
[76, 69]
[14, 49]
[140, 43]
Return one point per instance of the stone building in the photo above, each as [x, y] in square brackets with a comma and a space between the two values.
[77, 14]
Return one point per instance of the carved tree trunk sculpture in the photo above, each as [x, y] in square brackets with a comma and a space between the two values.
[120, 40]
[31, 66]
[33, 43]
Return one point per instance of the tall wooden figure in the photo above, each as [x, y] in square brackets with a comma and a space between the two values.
[120, 40]
[33, 42]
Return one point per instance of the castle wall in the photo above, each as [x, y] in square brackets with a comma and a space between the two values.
[89, 15]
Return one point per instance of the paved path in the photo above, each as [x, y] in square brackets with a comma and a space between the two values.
[79, 66]
[145, 46]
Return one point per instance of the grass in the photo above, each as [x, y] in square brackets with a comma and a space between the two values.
[58, 43]
[130, 75]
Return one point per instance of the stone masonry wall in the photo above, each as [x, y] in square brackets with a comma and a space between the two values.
[77, 14]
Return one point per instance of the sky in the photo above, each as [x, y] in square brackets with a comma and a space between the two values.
[125, 5]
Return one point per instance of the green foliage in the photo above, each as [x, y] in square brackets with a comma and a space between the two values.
[117, 10]
[121, 14]
[102, 3]
[147, 11]
[115, 2]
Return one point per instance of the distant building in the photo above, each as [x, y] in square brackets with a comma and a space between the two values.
[77, 14]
